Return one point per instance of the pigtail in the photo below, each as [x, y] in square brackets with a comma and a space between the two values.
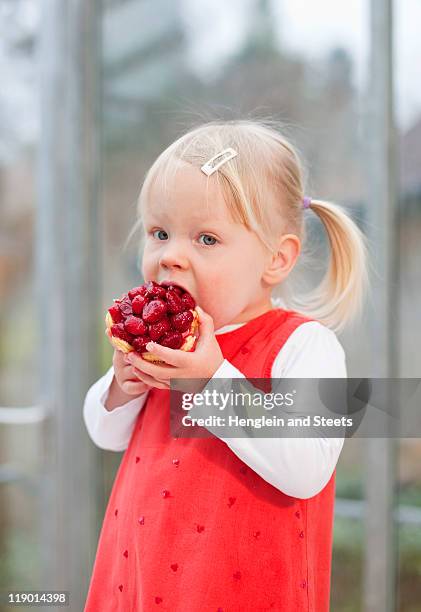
[339, 298]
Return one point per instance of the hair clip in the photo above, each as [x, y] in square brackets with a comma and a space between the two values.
[217, 160]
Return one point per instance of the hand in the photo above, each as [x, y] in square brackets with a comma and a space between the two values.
[203, 362]
[126, 379]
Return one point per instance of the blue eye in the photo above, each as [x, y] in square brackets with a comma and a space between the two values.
[211, 237]
[207, 242]
[160, 231]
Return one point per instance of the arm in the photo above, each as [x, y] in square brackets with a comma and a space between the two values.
[109, 424]
[299, 467]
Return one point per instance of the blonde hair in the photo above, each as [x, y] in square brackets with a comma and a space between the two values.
[263, 189]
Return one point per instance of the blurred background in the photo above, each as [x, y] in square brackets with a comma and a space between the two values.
[165, 65]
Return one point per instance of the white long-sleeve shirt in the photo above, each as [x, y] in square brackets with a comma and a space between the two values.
[299, 467]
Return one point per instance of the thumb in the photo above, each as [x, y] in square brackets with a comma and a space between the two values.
[206, 323]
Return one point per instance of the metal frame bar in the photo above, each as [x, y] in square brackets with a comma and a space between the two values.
[68, 257]
[380, 575]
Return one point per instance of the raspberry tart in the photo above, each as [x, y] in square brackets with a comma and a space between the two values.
[162, 313]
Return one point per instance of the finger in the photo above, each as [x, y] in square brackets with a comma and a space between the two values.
[140, 375]
[172, 357]
[158, 372]
[119, 358]
[149, 380]
[133, 387]
[206, 327]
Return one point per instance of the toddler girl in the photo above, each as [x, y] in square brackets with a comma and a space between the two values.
[237, 524]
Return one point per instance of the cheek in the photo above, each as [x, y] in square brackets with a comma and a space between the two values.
[253, 265]
[246, 259]
[222, 291]
[244, 270]
[148, 263]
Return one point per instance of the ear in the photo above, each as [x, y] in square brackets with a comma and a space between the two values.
[280, 264]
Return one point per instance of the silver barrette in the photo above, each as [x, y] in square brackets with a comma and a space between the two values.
[217, 160]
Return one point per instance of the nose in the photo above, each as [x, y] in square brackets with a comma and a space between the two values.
[173, 257]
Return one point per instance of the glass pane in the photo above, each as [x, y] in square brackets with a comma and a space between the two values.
[19, 445]
[408, 100]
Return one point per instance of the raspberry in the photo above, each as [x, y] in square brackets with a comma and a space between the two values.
[172, 339]
[139, 301]
[157, 330]
[154, 311]
[125, 305]
[187, 301]
[139, 343]
[174, 301]
[182, 321]
[136, 291]
[153, 290]
[135, 325]
[178, 290]
[116, 314]
[118, 330]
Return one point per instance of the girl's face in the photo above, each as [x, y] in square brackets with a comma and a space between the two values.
[201, 248]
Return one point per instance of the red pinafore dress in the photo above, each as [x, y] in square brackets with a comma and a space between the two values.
[190, 527]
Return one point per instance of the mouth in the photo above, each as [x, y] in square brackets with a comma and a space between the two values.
[175, 284]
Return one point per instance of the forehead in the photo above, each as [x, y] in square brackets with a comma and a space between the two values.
[189, 194]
